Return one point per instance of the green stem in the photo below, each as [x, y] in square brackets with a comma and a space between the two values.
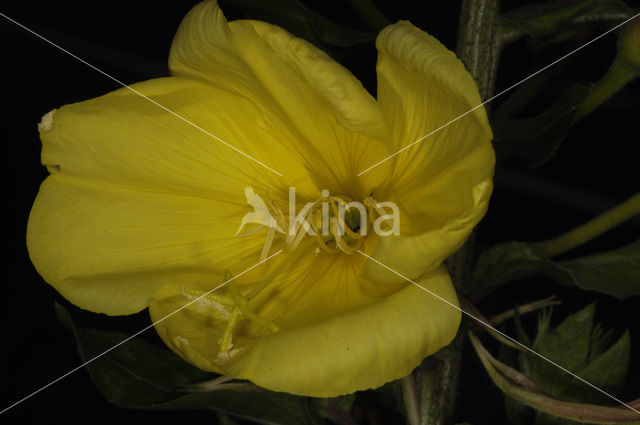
[590, 229]
[615, 79]
[479, 50]
[478, 42]
[439, 383]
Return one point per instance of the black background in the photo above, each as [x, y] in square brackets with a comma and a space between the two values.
[596, 168]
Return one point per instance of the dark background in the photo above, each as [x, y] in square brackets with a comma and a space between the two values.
[596, 168]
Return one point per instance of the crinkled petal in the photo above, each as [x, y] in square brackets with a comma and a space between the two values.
[340, 126]
[357, 349]
[441, 184]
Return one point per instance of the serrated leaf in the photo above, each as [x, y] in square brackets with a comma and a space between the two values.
[588, 413]
[616, 273]
[608, 371]
[600, 340]
[138, 374]
[567, 345]
[536, 139]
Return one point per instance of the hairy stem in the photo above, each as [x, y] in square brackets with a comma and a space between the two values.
[478, 42]
[439, 383]
[478, 48]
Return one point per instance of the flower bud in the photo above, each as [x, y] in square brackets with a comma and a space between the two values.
[625, 68]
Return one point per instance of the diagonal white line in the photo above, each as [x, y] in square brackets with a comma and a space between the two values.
[499, 94]
[136, 334]
[501, 333]
[140, 94]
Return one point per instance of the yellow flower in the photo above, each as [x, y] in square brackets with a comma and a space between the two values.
[142, 209]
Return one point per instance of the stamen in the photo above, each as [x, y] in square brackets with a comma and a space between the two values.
[267, 244]
[239, 306]
[299, 225]
[213, 301]
[315, 217]
[227, 335]
[298, 238]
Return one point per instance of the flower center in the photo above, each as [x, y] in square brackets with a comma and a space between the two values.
[336, 223]
[333, 224]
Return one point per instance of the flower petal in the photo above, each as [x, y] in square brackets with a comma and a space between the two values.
[126, 139]
[138, 197]
[422, 85]
[337, 120]
[355, 350]
[107, 248]
[441, 184]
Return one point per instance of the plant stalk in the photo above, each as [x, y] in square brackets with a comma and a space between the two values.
[590, 229]
[479, 50]
[479, 42]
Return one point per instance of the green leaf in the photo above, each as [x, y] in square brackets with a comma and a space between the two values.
[567, 345]
[134, 374]
[608, 371]
[302, 22]
[557, 21]
[138, 374]
[589, 413]
[615, 273]
[508, 261]
[600, 340]
[334, 409]
[536, 139]
[265, 407]
[570, 345]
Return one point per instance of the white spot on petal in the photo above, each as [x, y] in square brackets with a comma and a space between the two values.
[46, 122]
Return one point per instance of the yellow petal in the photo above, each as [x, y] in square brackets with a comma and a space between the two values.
[422, 85]
[126, 139]
[107, 248]
[357, 349]
[336, 119]
[442, 184]
[139, 197]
